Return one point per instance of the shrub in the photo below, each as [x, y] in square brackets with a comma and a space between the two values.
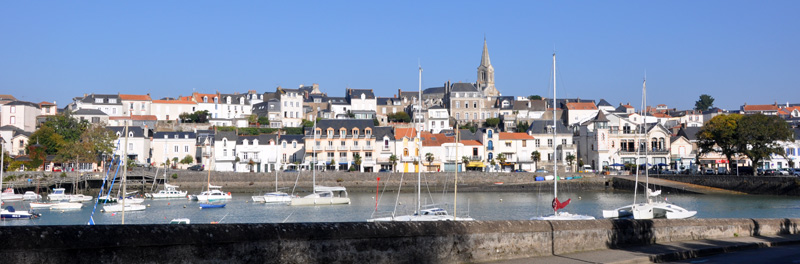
[174, 176]
[63, 175]
[339, 180]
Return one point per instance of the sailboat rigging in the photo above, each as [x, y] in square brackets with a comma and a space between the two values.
[556, 203]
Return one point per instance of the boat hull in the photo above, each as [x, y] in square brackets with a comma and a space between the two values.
[66, 206]
[652, 210]
[563, 216]
[320, 201]
[128, 208]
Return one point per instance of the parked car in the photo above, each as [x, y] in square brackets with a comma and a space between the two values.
[669, 172]
[783, 171]
[796, 172]
[196, 167]
[745, 170]
[542, 171]
[292, 170]
[708, 172]
[384, 170]
[770, 172]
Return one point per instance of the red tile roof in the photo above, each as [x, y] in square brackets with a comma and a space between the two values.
[471, 143]
[43, 103]
[514, 136]
[135, 97]
[760, 108]
[173, 102]
[581, 106]
[409, 132]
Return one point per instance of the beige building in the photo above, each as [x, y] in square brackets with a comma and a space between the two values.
[336, 142]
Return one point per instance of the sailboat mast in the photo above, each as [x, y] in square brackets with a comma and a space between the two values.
[2, 158]
[555, 145]
[419, 145]
[124, 171]
[646, 140]
[455, 191]
[313, 159]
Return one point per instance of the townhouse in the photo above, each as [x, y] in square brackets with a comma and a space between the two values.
[257, 153]
[135, 104]
[551, 150]
[110, 104]
[341, 144]
[170, 110]
[20, 114]
[173, 146]
[138, 148]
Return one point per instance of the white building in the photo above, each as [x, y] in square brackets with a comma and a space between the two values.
[110, 104]
[134, 104]
[172, 145]
[257, 153]
[172, 109]
[291, 106]
[138, 147]
[20, 114]
[437, 119]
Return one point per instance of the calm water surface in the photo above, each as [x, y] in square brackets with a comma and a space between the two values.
[479, 205]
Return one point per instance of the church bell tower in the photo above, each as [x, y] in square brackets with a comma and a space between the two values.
[486, 74]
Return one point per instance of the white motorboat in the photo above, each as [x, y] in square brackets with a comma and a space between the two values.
[169, 192]
[211, 195]
[133, 200]
[128, 207]
[80, 198]
[11, 213]
[180, 221]
[35, 205]
[323, 195]
[556, 203]
[31, 196]
[66, 206]
[58, 194]
[9, 195]
[272, 197]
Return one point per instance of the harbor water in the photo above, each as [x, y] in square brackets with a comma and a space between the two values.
[479, 205]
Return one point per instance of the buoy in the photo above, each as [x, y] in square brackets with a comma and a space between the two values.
[501, 200]
[579, 197]
[148, 205]
[229, 193]
[184, 206]
[167, 203]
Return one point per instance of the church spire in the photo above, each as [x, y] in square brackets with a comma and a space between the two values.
[485, 56]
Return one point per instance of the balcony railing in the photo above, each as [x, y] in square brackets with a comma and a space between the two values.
[368, 159]
[475, 158]
[342, 148]
[368, 147]
[330, 148]
[355, 148]
[408, 158]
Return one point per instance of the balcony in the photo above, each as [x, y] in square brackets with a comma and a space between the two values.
[490, 148]
[475, 158]
[330, 148]
[368, 159]
[342, 148]
[355, 148]
[247, 160]
[408, 159]
[368, 147]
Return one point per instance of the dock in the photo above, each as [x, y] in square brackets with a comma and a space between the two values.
[662, 184]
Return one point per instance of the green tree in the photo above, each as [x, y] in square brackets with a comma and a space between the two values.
[174, 161]
[400, 117]
[720, 134]
[534, 97]
[491, 122]
[570, 160]
[357, 161]
[187, 160]
[393, 160]
[429, 158]
[65, 125]
[704, 103]
[196, 117]
[47, 137]
[465, 160]
[501, 158]
[263, 120]
[758, 135]
[375, 122]
[522, 127]
[535, 157]
[252, 119]
[471, 126]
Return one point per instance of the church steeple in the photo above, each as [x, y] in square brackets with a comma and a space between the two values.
[486, 73]
[485, 56]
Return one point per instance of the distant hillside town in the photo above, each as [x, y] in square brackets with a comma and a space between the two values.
[455, 126]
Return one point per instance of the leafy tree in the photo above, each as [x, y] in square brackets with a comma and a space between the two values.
[65, 125]
[400, 117]
[491, 122]
[704, 103]
[429, 158]
[252, 119]
[174, 161]
[357, 161]
[536, 156]
[263, 120]
[47, 137]
[720, 134]
[196, 117]
[375, 122]
[501, 158]
[534, 97]
[471, 126]
[187, 160]
[758, 134]
[465, 160]
[522, 127]
[350, 114]
[570, 159]
[393, 160]
[38, 155]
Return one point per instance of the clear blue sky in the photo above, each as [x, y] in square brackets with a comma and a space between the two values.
[737, 51]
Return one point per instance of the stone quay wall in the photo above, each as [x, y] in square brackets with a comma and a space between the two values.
[400, 242]
[770, 185]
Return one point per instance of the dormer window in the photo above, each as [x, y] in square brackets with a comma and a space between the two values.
[216, 100]
[368, 132]
[176, 136]
[330, 132]
[165, 136]
[255, 142]
[130, 134]
[186, 136]
[342, 132]
[112, 100]
[98, 100]
[355, 132]
[244, 142]
[205, 99]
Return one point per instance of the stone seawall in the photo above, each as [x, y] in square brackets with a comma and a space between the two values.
[416, 242]
[770, 185]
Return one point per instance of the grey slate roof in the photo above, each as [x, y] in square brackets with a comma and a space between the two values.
[338, 100]
[90, 99]
[433, 90]
[603, 102]
[600, 117]
[356, 93]
[138, 132]
[465, 134]
[463, 87]
[540, 127]
[88, 112]
[172, 134]
[290, 138]
[234, 98]
[689, 132]
[16, 130]
[380, 132]
[24, 103]
[229, 135]
[263, 139]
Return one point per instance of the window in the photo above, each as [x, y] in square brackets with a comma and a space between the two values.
[474, 104]
[524, 143]
[13, 109]
[176, 148]
[550, 143]
[458, 115]
[284, 145]
[405, 152]
[343, 155]
[490, 133]
[368, 155]
[130, 146]
[13, 120]
[294, 144]
[508, 144]
[330, 155]
[458, 104]
[563, 142]
[330, 143]
[466, 104]
[536, 142]
[186, 148]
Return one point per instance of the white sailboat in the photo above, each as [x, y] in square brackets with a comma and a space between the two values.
[556, 203]
[169, 192]
[432, 213]
[213, 192]
[125, 204]
[649, 209]
[273, 197]
[322, 195]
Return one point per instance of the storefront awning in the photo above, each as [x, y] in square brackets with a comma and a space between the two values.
[476, 164]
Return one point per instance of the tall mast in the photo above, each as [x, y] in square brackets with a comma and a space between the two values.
[419, 145]
[555, 145]
[124, 171]
[455, 191]
[2, 158]
[646, 140]
[313, 158]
